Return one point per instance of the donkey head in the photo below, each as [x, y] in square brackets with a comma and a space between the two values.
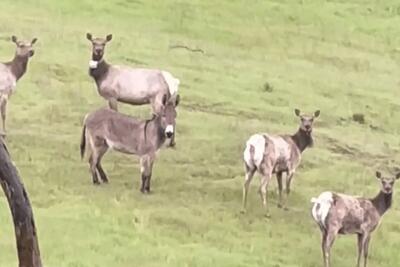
[168, 115]
[306, 121]
[24, 48]
[98, 46]
[387, 183]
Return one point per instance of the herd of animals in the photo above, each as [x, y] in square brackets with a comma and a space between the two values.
[266, 154]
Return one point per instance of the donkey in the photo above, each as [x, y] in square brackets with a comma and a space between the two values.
[106, 128]
[12, 71]
[276, 154]
[135, 86]
[343, 214]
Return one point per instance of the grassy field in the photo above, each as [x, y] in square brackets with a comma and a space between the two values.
[262, 59]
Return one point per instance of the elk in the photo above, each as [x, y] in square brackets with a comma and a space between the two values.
[135, 86]
[12, 71]
[106, 128]
[343, 214]
[276, 154]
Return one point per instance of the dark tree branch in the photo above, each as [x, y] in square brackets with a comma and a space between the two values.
[187, 48]
[18, 201]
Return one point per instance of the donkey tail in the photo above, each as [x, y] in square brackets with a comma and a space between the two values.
[83, 141]
[172, 82]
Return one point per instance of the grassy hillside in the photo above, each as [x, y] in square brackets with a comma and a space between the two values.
[262, 59]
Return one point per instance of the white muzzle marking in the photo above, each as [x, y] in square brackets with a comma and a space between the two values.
[169, 129]
[93, 64]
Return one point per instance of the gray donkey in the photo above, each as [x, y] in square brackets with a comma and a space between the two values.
[343, 214]
[276, 154]
[106, 128]
[12, 71]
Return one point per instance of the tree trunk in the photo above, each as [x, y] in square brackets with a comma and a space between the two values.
[18, 201]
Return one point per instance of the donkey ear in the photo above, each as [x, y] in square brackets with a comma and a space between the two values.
[178, 99]
[378, 174]
[14, 39]
[164, 100]
[297, 112]
[316, 114]
[109, 37]
[398, 175]
[34, 40]
[89, 36]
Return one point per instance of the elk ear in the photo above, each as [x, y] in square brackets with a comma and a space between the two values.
[109, 37]
[34, 40]
[297, 112]
[178, 99]
[316, 114]
[164, 100]
[89, 36]
[398, 175]
[378, 174]
[14, 39]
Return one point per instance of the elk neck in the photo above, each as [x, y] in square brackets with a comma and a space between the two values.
[100, 72]
[302, 139]
[382, 202]
[18, 66]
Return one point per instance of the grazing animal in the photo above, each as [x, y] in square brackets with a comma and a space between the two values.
[343, 214]
[12, 71]
[106, 128]
[276, 154]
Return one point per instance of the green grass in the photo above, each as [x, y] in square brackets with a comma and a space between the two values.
[338, 56]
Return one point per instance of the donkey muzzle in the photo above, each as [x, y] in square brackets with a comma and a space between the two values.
[169, 131]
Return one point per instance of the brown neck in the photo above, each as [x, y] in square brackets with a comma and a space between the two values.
[302, 139]
[100, 72]
[382, 202]
[18, 66]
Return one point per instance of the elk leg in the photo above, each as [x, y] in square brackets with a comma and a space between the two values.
[366, 245]
[113, 104]
[280, 188]
[360, 244]
[288, 182]
[247, 180]
[327, 244]
[264, 191]
[3, 109]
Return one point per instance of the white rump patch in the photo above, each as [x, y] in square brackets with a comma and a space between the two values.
[321, 207]
[169, 129]
[171, 81]
[258, 142]
[93, 64]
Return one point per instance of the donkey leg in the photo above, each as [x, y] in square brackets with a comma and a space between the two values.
[102, 173]
[264, 191]
[247, 180]
[146, 163]
[93, 170]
